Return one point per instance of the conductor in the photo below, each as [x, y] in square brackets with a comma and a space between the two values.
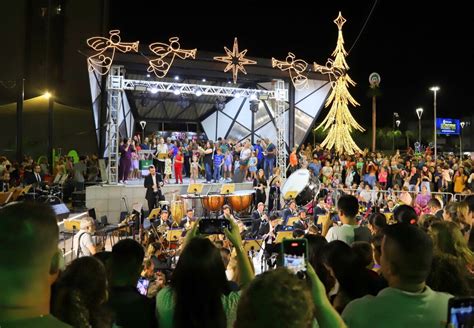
[153, 183]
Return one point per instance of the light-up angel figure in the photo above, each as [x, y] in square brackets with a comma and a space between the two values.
[329, 69]
[166, 54]
[102, 61]
[296, 68]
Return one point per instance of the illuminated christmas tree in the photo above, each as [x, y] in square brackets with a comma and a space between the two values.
[339, 120]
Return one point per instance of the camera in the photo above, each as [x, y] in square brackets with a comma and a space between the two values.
[294, 255]
[213, 226]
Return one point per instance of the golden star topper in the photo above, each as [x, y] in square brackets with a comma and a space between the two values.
[235, 60]
[101, 62]
[166, 54]
[296, 68]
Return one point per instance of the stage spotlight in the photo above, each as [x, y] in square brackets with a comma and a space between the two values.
[254, 106]
[176, 78]
[154, 90]
[148, 75]
[177, 92]
[203, 80]
[198, 93]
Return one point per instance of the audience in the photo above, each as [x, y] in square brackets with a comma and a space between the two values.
[80, 294]
[350, 231]
[406, 258]
[30, 260]
[130, 308]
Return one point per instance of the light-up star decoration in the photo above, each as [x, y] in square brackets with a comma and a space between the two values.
[166, 54]
[101, 61]
[235, 60]
[296, 68]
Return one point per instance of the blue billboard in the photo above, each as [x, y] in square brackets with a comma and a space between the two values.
[448, 126]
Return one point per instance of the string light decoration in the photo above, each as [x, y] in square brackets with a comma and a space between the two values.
[166, 54]
[339, 120]
[101, 62]
[235, 60]
[296, 68]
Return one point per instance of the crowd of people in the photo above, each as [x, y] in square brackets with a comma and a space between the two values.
[391, 271]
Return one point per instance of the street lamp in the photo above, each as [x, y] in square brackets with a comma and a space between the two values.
[460, 140]
[419, 113]
[435, 89]
[396, 121]
[143, 124]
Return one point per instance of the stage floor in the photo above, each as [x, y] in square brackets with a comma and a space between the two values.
[111, 200]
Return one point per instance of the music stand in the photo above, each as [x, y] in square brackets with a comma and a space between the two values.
[252, 245]
[227, 188]
[292, 220]
[195, 188]
[281, 235]
[290, 195]
[154, 213]
[174, 235]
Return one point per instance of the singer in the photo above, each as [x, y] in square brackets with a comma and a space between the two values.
[153, 183]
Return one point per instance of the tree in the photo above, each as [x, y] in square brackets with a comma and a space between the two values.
[339, 120]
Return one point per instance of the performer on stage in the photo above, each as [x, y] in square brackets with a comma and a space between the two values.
[153, 183]
[302, 222]
[188, 219]
[165, 218]
[259, 218]
[289, 212]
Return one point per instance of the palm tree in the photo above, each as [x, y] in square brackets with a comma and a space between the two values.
[409, 135]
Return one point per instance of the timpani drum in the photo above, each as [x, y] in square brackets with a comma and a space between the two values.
[213, 202]
[302, 185]
[240, 200]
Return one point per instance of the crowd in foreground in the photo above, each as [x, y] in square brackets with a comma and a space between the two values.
[392, 273]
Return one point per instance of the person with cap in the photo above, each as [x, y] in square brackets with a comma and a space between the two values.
[153, 183]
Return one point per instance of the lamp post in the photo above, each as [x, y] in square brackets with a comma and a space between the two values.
[460, 140]
[48, 96]
[143, 124]
[419, 113]
[434, 89]
[394, 121]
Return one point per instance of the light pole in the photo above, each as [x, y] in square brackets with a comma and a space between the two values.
[143, 124]
[435, 89]
[394, 121]
[462, 124]
[419, 113]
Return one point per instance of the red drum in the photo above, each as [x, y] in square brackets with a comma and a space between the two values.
[240, 200]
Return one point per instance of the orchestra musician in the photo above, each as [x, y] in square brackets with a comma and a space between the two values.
[165, 218]
[258, 218]
[268, 231]
[302, 222]
[188, 219]
[153, 183]
[226, 214]
[290, 211]
[34, 177]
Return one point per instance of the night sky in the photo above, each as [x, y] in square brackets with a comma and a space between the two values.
[412, 48]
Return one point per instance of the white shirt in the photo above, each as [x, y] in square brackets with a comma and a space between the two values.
[347, 233]
[396, 308]
[86, 241]
[155, 186]
[38, 177]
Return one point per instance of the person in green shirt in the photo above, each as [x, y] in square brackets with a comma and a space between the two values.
[29, 265]
[199, 294]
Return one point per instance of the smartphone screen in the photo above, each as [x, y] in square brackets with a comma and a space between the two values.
[461, 312]
[213, 226]
[295, 253]
[142, 286]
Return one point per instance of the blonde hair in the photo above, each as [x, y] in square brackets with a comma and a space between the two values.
[448, 240]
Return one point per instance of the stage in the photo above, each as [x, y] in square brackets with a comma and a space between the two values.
[111, 200]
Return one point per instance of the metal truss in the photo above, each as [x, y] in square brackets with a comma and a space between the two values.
[196, 89]
[281, 97]
[114, 103]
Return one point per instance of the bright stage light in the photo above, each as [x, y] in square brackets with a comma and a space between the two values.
[177, 92]
[47, 95]
[154, 90]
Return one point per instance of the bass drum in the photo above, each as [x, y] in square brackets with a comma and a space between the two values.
[301, 186]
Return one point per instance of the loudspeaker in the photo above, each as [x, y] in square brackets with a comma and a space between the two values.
[79, 199]
[61, 211]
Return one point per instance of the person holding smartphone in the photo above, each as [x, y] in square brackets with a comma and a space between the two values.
[197, 295]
